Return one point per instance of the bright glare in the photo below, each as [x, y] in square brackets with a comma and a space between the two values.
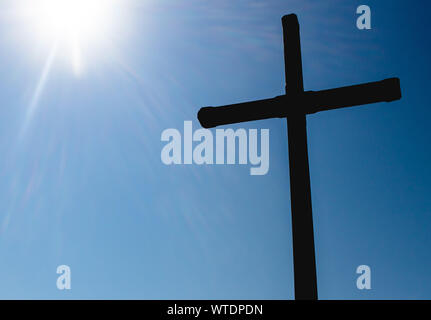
[73, 18]
[72, 25]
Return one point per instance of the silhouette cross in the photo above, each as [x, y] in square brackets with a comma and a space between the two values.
[294, 106]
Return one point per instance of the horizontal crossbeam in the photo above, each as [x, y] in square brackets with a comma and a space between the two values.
[304, 103]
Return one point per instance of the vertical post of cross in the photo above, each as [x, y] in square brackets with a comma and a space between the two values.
[302, 219]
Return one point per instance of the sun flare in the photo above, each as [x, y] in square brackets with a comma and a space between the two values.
[76, 27]
[73, 18]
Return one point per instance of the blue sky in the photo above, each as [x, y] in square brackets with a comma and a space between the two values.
[82, 183]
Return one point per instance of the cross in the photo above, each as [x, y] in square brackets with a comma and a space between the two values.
[294, 106]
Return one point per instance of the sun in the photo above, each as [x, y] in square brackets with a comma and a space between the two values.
[72, 18]
[73, 26]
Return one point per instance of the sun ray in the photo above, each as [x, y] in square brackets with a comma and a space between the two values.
[76, 57]
[39, 89]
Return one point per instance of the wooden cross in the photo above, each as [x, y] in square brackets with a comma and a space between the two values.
[294, 106]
